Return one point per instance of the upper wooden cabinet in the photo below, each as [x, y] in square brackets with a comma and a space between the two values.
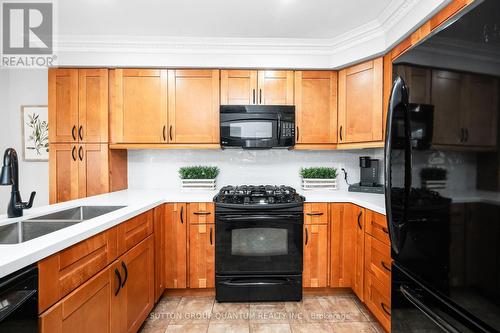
[316, 107]
[78, 105]
[193, 106]
[78, 171]
[264, 87]
[360, 103]
[419, 78]
[238, 87]
[138, 106]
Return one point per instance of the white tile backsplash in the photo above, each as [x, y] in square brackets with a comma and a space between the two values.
[152, 169]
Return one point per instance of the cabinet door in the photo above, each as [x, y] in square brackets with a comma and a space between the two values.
[93, 170]
[238, 87]
[315, 213]
[63, 105]
[134, 231]
[315, 272]
[63, 172]
[202, 256]
[66, 270]
[419, 81]
[360, 102]
[316, 106]
[90, 308]
[446, 98]
[93, 105]
[201, 212]
[275, 87]
[342, 245]
[175, 245]
[159, 236]
[358, 214]
[138, 106]
[193, 106]
[480, 110]
[137, 292]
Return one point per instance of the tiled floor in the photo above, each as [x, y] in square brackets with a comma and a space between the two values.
[337, 314]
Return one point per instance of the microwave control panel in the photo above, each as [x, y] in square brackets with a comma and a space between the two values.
[288, 129]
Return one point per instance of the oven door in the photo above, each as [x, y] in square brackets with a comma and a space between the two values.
[249, 130]
[263, 243]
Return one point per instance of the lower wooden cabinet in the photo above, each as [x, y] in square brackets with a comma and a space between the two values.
[202, 256]
[359, 251]
[378, 301]
[315, 273]
[176, 245]
[159, 237]
[93, 307]
[136, 296]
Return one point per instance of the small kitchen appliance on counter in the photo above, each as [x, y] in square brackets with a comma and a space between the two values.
[258, 244]
[369, 177]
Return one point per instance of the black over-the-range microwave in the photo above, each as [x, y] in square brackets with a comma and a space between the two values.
[257, 126]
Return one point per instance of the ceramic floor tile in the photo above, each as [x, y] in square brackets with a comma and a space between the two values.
[312, 328]
[228, 328]
[272, 312]
[341, 309]
[230, 312]
[353, 328]
[187, 328]
[269, 328]
[193, 310]
[306, 311]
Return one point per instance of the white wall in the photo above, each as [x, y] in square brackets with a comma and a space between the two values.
[159, 169]
[22, 87]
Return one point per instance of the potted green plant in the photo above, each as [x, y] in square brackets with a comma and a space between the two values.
[198, 177]
[319, 178]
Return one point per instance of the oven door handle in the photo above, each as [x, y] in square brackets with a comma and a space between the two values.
[257, 217]
[256, 283]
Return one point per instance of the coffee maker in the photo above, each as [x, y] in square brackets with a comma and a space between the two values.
[369, 176]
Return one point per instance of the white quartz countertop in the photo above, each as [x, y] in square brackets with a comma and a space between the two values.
[17, 256]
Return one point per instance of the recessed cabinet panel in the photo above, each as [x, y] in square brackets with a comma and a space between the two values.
[316, 257]
[238, 87]
[275, 87]
[63, 105]
[93, 105]
[202, 256]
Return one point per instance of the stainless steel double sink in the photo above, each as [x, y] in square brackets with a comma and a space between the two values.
[19, 232]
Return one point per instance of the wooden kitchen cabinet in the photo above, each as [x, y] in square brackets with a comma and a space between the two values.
[238, 87]
[419, 79]
[66, 270]
[376, 226]
[138, 106]
[134, 231]
[136, 296]
[193, 106]
[92, 307]
[78, 105]
[480, 110]
[263, 87]
[358, 214]
[201, 212]
[315, 273]
[446, 98]
[316, 107]
[342, 245]
[316, 213]
[360, 107]
[175, 245]
[77, 171]
[202, 256]
[160, 255]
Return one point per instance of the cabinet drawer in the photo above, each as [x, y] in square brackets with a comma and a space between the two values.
[201, 212]
[316, 213]
[64, 271]
[133, 231]
[378, 260]
[376, 225]
[378, 301]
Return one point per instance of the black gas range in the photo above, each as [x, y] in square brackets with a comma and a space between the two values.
[259, 235]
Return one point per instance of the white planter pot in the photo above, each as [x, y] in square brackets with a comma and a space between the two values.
[198, 184]
[319, 184]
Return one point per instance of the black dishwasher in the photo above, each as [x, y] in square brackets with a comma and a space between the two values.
[19, 301]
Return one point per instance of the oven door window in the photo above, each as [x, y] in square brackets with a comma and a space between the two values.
[254, 242]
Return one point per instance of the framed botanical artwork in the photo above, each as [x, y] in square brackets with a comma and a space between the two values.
[35, 134]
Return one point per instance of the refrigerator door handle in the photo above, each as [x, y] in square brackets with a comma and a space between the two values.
[398, 100]
[437, 319]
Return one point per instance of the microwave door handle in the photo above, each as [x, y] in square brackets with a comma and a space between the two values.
[279, 127]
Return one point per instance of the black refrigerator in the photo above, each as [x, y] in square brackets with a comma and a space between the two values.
[442, 178]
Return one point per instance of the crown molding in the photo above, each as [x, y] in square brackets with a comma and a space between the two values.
[369, 40]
